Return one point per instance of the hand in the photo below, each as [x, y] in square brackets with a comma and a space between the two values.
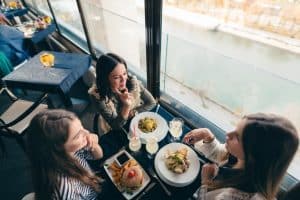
[92, 141]
[132, 113]
[198, 134]
[208, 173]
[125, 97]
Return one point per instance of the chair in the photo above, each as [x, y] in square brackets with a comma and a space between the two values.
[5, 68]
[100, 125]
[13, 124]
[29, 196]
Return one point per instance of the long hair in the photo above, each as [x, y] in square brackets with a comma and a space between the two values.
[47, 134]
[105, 65]
[269, 143]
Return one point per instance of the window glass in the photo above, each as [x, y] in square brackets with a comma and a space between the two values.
[41, 6]
[228, 58]
[118, 26]
[29, 2]
[69, 22]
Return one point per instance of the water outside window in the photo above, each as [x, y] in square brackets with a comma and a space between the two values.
[235, 57]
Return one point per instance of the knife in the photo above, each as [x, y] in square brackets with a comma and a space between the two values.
[146, 190]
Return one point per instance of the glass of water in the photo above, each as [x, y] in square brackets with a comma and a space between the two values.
[175, 128]
[134, 141]
[151, 146]
[135, 144]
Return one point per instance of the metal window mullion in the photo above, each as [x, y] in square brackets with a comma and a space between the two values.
[153, 21]
[53, 15]
[85, 29]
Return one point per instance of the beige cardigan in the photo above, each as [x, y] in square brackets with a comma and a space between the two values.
[110, 108]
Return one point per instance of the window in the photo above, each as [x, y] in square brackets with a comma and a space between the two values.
[233, 58]
[41, 6]
[29, 2]
[118, 27]
[69, 22]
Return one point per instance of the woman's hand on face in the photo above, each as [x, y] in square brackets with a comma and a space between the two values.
[208, 173]
[132, 113]
[198, 134]
[125, 97]
[92, 141]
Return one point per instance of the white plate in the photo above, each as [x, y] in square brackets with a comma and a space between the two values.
[171, 178]
[128, 196]
[160, 132]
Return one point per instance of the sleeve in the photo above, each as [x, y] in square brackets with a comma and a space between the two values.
[147, 98]
[214, 151]
[114, 119]
[66, 190]
[202, 191]
[85, 154]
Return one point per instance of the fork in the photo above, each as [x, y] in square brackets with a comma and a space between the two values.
[154, 175]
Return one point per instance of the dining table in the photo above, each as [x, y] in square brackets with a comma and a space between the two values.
[58, 79]
[41, 34]
[33, 42]
[11, 13]
[116, 140]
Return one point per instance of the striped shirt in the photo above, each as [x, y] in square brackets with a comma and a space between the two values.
[73, 189]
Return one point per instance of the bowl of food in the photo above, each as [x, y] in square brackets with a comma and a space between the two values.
[149, 125]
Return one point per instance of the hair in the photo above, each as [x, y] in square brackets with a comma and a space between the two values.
[105, 65]
[269, 143]
[47, 134]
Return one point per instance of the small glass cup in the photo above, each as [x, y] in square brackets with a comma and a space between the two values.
[134, 141]
[175, 128]
[151, 146]
[135, 144]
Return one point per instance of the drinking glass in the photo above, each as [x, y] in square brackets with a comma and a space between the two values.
[134, 141]
[135, 144]
[151, 146]
[175, 128]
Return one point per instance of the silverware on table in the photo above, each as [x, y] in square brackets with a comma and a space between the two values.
[157, 108]
[153, 174]
[146, 190]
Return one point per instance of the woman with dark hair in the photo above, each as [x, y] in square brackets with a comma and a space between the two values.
[58, 148]
[116, 95]
[263, 146]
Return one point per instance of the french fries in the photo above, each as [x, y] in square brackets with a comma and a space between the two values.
[117, 171]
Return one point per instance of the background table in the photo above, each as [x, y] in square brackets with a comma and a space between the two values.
[11, 13]
[39, 35]
[67, 69]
